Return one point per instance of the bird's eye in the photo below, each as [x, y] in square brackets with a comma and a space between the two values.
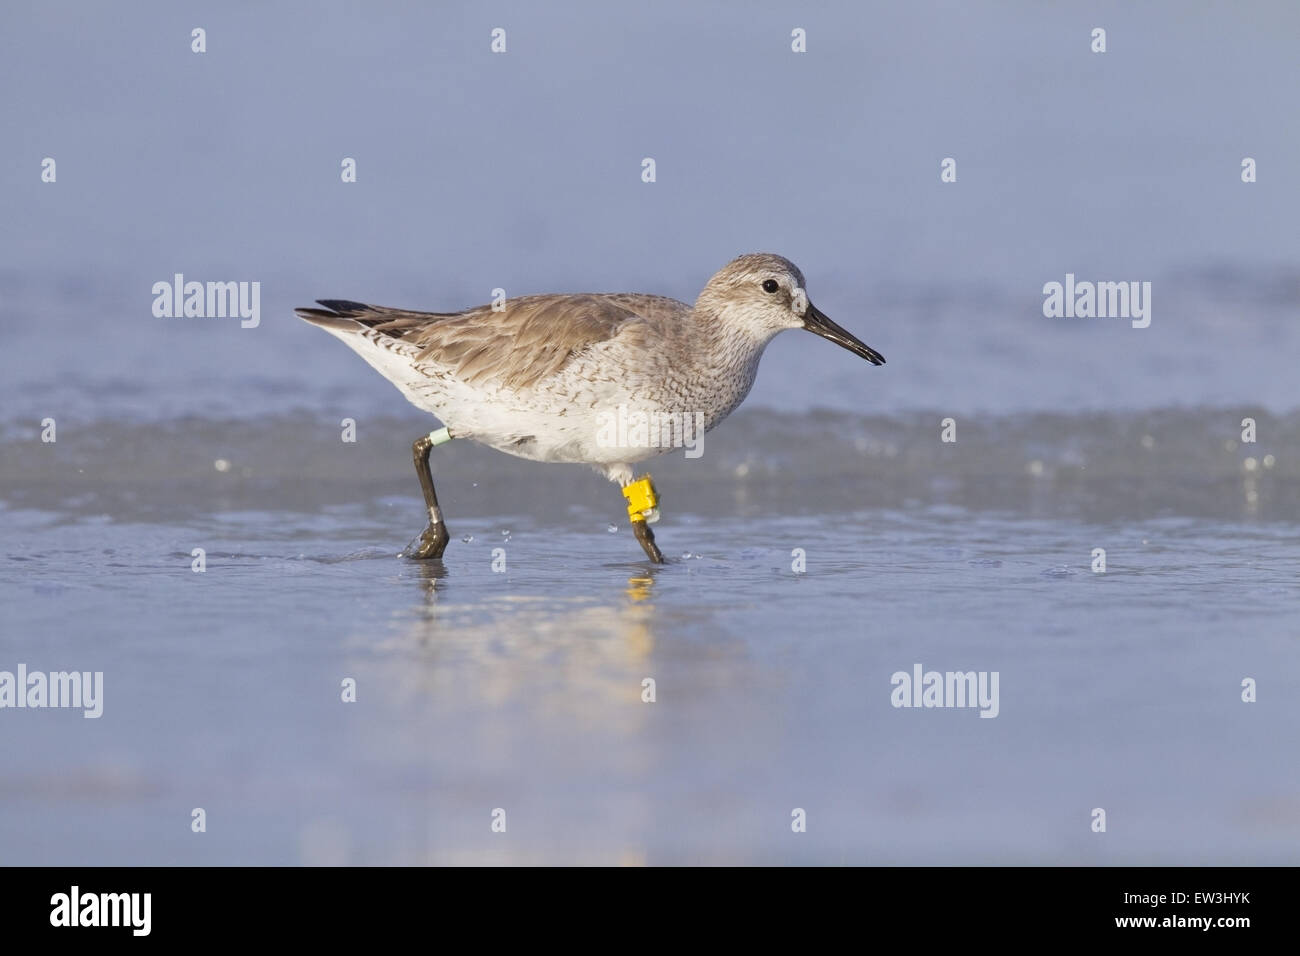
[770, 285]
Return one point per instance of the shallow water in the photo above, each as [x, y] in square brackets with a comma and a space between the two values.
[521, 688]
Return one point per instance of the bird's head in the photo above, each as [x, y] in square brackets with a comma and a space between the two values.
[762, 294]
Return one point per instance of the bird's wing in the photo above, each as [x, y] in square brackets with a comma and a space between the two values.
[530, 339]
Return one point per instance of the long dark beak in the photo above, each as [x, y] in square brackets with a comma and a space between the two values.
[816, 321]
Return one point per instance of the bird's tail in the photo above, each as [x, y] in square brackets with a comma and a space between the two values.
[337, 316]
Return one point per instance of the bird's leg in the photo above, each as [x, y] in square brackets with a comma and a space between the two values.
[433, 541]
[643, 508]
[647, 538]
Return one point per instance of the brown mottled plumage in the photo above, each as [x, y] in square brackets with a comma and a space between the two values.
[526, 341]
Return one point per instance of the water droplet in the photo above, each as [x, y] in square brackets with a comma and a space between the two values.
[467, 538]
[612, 529]
[221, 464]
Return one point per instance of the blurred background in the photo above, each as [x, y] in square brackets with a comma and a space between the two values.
[522, 689]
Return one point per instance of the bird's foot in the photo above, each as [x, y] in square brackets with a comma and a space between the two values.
[430, 544]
